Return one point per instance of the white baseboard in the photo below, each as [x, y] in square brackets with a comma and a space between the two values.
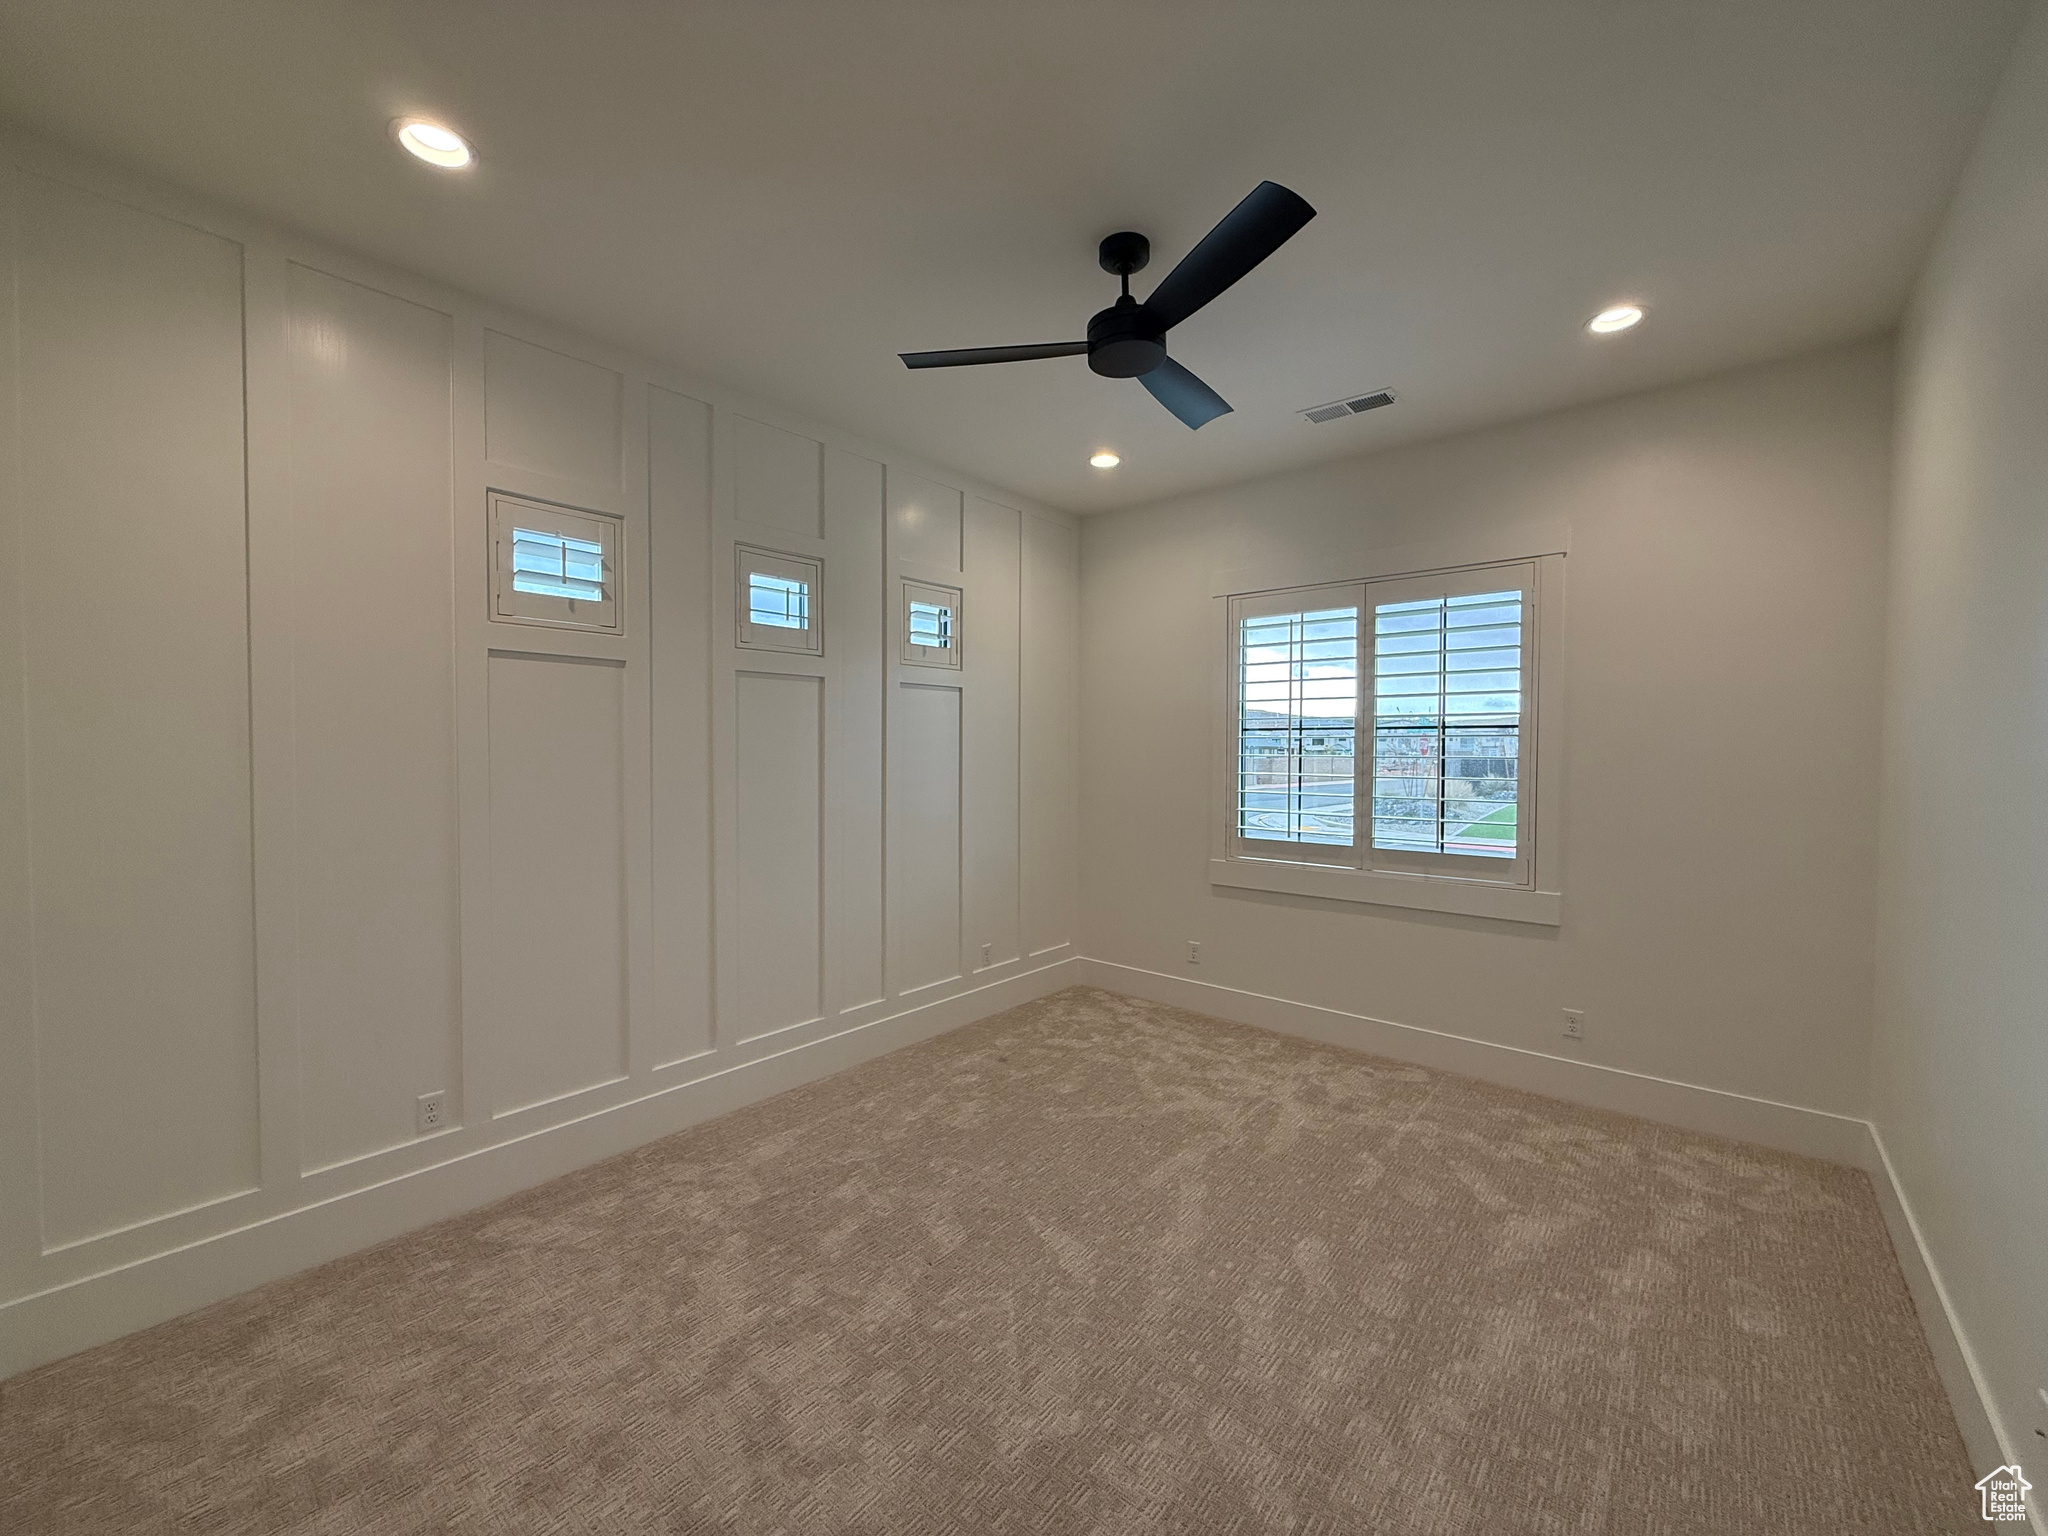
[102, 1306]
[1969, 1394]
[1714, 1111]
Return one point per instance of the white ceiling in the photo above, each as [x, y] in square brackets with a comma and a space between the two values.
[784, 193]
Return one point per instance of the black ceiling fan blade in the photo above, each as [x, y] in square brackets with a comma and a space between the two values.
[1257, 227]
[966, 355]
[1183, 394]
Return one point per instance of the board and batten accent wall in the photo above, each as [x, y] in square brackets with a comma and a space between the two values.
[293, 832]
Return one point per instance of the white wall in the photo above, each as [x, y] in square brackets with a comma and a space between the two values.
[1962, 1036]
[291, 832]
[1723, 609]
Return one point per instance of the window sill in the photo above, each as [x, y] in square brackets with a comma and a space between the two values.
[1427, 893]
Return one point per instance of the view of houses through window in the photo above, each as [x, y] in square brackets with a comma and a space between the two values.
[1447, 711]
[1297, 720]
[1446, 716]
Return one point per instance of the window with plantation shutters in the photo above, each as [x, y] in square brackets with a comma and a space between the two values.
[557, 565]
[1447, 674]
[781, 602]
[931, 625]
[1383, 734]
[553, 565]
[777, 600]
[1297, 723]
[1446, 724]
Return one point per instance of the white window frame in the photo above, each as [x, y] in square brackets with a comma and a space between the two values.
[747, 559]
[949, 598]
[605, 615]
[1528, 888]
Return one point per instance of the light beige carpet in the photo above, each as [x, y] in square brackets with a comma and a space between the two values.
[1090, 1266]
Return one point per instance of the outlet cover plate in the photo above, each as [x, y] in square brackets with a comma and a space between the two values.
[430, 1112]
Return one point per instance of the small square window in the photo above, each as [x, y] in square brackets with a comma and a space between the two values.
[931, 625]
[776, 599]
[552, 565]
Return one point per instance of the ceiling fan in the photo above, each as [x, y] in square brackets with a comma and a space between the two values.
[1128, 340]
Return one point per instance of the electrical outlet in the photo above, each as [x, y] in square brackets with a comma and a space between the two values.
[1194, 951]
[1574, 1024]
[988, 954]
[430, 1111]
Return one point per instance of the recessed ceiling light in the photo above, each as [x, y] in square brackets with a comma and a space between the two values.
[434, 144]
[1104, 460]
[1619, 318]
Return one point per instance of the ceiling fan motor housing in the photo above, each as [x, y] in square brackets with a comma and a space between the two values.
[1124, 341]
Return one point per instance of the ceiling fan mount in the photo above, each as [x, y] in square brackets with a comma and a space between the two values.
[1123, 253]
[1128, 340]
[1124, 342]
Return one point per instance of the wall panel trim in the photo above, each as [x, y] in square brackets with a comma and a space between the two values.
[586, 431]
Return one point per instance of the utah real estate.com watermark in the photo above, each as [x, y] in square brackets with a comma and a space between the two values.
[2005, 1494]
